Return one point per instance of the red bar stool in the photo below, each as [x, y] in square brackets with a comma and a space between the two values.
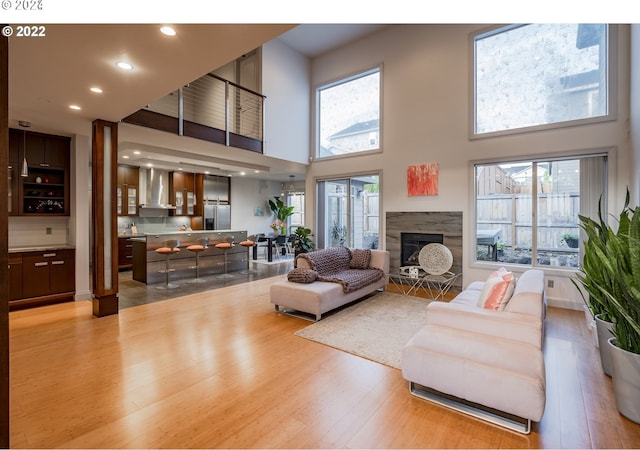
[225, 245]
[168, 248]
[249, 244]
[202, 245]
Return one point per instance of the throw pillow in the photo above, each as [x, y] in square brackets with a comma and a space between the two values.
[497, 290]
[360, 258]
[300, 275]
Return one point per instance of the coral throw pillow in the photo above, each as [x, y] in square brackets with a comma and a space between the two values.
[497, 290]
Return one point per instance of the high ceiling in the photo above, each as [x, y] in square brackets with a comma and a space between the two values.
[47, 75]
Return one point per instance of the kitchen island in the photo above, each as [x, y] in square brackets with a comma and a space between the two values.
[148, 266]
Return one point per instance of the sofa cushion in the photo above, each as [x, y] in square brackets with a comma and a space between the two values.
[360, 258]
[497, 290]
[327, 261]
[300, 275]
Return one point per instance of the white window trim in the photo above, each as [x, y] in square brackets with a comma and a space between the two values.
[316, 133]
[612, 74]
[609, 152]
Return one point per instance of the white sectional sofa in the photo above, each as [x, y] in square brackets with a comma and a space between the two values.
[318, 297]
[487, 363]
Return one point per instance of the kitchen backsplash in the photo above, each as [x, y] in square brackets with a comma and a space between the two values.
[151, 224]
[26, 232]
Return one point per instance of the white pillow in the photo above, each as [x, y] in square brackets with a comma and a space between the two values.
[497, 290]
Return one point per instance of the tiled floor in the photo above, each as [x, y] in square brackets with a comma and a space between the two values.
[134, 293]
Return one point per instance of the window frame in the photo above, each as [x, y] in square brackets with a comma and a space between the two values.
[612, 80]
[378, 68]
[608, 152]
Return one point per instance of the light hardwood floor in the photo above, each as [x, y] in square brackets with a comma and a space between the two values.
[223, 369]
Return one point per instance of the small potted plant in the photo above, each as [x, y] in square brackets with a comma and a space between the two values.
[302, 242]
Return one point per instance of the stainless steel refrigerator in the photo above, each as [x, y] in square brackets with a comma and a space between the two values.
[217, 217]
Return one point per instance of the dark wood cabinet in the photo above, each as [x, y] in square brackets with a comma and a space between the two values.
[125, 253]
[182, 191]
[127, 190]
[41, 277]
[45, 190]
[15, 276]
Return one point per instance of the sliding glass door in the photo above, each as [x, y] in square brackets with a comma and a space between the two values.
[348, 212]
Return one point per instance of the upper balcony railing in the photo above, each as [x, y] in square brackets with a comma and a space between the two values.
[209, 108]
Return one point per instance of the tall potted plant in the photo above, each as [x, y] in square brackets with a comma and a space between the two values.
[282, 212]
[624, 265]
[591, 277]
[619, 289]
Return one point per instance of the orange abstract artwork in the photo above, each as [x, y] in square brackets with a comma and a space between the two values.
[422, 179]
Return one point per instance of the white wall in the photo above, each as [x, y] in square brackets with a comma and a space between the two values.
[425, 118]
[635, 114]
[246, 195]
[285, 82]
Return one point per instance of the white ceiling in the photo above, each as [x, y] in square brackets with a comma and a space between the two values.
[46, 75]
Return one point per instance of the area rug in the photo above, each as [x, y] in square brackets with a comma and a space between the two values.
[376, 328]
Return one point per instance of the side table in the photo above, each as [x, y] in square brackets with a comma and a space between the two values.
[438, 285]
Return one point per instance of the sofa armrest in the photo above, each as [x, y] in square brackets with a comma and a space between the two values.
[500, 324]
[380, 260]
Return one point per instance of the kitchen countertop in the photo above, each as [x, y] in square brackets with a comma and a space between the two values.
[40, 248]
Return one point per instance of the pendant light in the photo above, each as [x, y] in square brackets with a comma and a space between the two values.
[25, 167]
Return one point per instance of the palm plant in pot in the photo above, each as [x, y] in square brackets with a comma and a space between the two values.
[619, 288]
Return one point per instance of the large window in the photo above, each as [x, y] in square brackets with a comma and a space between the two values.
[348, 212]
[539, 75]
[527, 211]
[348, 114]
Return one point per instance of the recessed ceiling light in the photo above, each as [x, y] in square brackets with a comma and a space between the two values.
[207, 172]
[96, 89]
[76, 107]
[243, 173]
[149, 165]
[125, 156]
[124, 65]
[169, 31]
[136, 152]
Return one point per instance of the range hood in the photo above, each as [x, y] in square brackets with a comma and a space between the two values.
[154, 186]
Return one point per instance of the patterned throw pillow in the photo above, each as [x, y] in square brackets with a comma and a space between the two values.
[360, 258]
[300, 275]
[497, 290]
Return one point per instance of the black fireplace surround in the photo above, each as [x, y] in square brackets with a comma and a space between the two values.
[412, 243]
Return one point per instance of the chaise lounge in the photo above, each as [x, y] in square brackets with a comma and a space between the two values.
[326, 279]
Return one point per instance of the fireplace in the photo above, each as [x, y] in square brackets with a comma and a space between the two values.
[412, 243]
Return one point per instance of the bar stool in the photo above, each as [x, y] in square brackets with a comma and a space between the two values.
[225, 245]
[168, 248]
[249, 244]
[202, 245]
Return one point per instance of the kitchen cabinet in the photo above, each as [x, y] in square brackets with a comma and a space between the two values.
[216, 189]
[45, 277]
[125, 253]
[15, 277]
[13, 172]
[45, 191]
[127, 191]
[183, 195]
